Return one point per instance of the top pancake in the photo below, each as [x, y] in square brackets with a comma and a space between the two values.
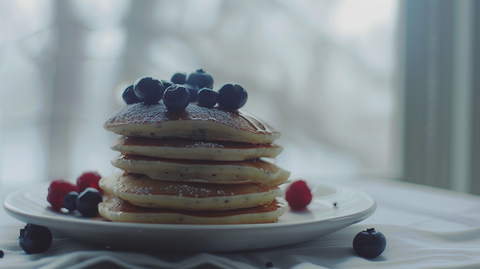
[195, 122]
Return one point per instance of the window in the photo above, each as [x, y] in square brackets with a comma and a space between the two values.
[322, 72]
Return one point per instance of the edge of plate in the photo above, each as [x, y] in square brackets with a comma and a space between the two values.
[22, 215]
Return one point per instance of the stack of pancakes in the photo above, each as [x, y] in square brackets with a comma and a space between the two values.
[198, 166]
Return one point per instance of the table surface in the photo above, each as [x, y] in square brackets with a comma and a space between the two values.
[425, 228]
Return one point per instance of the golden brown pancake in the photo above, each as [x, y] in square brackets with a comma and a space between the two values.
[198, 166]
[145, 192]
[118, 210]
[195, 122]
[184, 149]
[254, 171]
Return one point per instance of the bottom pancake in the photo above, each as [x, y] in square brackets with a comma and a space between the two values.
[118, 210]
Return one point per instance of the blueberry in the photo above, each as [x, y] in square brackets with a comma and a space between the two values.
[166, 83]
[176, 98]
[70, 200]
[148, 90]
[193, 89]
[1, 254]
[88, 201]
[369, 243]
[269, 264]
[35, 239]
[232, 96]
[179, 78]
[129, 96]
[200, 79]
[207, 97]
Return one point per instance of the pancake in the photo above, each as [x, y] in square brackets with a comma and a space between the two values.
[195, 122]
[194, 150]
[118, 210]
[254, 171]
[145, 192]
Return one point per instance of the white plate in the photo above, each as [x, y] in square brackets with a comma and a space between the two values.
[321, 218]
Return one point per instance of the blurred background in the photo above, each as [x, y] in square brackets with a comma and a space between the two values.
[367, 89]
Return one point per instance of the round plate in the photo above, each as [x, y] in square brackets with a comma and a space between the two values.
[331, 209]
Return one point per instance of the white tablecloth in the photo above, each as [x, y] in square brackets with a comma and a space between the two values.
[424, 227]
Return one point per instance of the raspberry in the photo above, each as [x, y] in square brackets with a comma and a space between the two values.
[298, 195]
[89, 180]
[57, 190]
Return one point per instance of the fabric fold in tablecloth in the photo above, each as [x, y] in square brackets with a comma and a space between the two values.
[128, 260]
[406, 248]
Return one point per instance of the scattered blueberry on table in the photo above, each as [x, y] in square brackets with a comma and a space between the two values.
[369, 243]
[270, 265]
[35, 239]
[232, 96]
[1, 254]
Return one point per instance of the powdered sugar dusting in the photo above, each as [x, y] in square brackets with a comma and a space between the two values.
[140, 113]
[206, 145]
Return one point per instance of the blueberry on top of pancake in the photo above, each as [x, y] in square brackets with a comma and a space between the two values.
[195, 122]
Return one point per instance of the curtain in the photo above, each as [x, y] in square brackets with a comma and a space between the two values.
[441, 93]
